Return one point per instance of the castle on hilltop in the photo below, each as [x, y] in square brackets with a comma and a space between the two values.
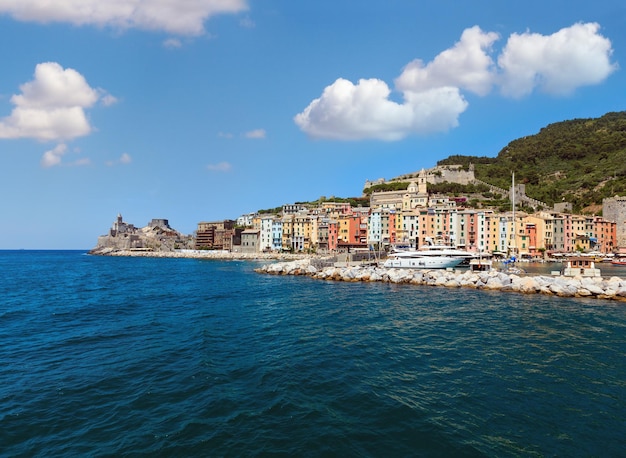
[156, 236]
[435, 175]
[416, 195]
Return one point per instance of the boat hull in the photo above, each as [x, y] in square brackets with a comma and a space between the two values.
[431, 262]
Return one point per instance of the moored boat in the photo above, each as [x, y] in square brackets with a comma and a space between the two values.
[422, 262]
[428, 256]
[431, 249]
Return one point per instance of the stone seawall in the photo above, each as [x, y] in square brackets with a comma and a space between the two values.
[613, 288]
[197, 254]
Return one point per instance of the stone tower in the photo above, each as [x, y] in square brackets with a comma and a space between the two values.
[422, 180]
[614, 209]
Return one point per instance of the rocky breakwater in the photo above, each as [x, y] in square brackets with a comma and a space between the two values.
[613, 288]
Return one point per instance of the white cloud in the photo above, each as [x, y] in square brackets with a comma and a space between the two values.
[432, 98]
[180, 17]
[257, 133]
[108, 100]
[172, 43]
[220, 167]
[55, 87]
[52, 106]
[123, 159]
[364, 111]
[53, 157]
[557, 64]
[466, 65]
[227, 135]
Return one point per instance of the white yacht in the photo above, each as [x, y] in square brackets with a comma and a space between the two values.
[428, 261]
[429, 256]
[432, 250]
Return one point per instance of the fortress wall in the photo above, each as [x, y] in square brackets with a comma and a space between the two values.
[614, 209]
[451, 175]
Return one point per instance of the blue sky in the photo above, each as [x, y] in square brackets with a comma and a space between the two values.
[208, 109]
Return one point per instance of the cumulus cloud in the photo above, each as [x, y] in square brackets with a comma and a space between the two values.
[346, 111]
[52, 105]
[257, 133]
[180, 17]
[557, 64]
[467, 65]
[432, 98]
[220, 167]
[54, 157]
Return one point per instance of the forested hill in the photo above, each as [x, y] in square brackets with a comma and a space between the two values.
[580, 161]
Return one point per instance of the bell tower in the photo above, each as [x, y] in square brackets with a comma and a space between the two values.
[421, 187]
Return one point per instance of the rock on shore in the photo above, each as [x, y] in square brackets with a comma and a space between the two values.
[613, 288]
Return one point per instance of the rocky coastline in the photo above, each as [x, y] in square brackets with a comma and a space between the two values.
[613, 288]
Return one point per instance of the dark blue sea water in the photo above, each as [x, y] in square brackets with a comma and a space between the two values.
[108, 356]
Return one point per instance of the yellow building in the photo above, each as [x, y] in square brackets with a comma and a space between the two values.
[287, 222]
[541, 224]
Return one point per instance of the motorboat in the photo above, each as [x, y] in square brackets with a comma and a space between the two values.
[433, 250]
[429, 256]
[428, 261]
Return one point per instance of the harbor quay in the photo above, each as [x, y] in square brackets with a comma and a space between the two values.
[613, 288]
[199, 254]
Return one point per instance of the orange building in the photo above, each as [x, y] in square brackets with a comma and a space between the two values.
[605, 233]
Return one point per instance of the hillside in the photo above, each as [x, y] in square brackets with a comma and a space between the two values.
[580, 161]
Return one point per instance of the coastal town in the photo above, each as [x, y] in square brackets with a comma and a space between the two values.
[400, 218]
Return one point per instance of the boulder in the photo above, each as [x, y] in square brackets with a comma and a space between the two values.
[563, 289]
[526, 285]
[494, 283]
[594, 287]
[311, 270]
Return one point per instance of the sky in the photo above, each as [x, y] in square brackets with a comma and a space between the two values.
[204, 110]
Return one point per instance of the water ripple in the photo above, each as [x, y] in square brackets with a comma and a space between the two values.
[138, 357]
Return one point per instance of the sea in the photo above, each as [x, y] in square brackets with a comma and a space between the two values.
[128, 356]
